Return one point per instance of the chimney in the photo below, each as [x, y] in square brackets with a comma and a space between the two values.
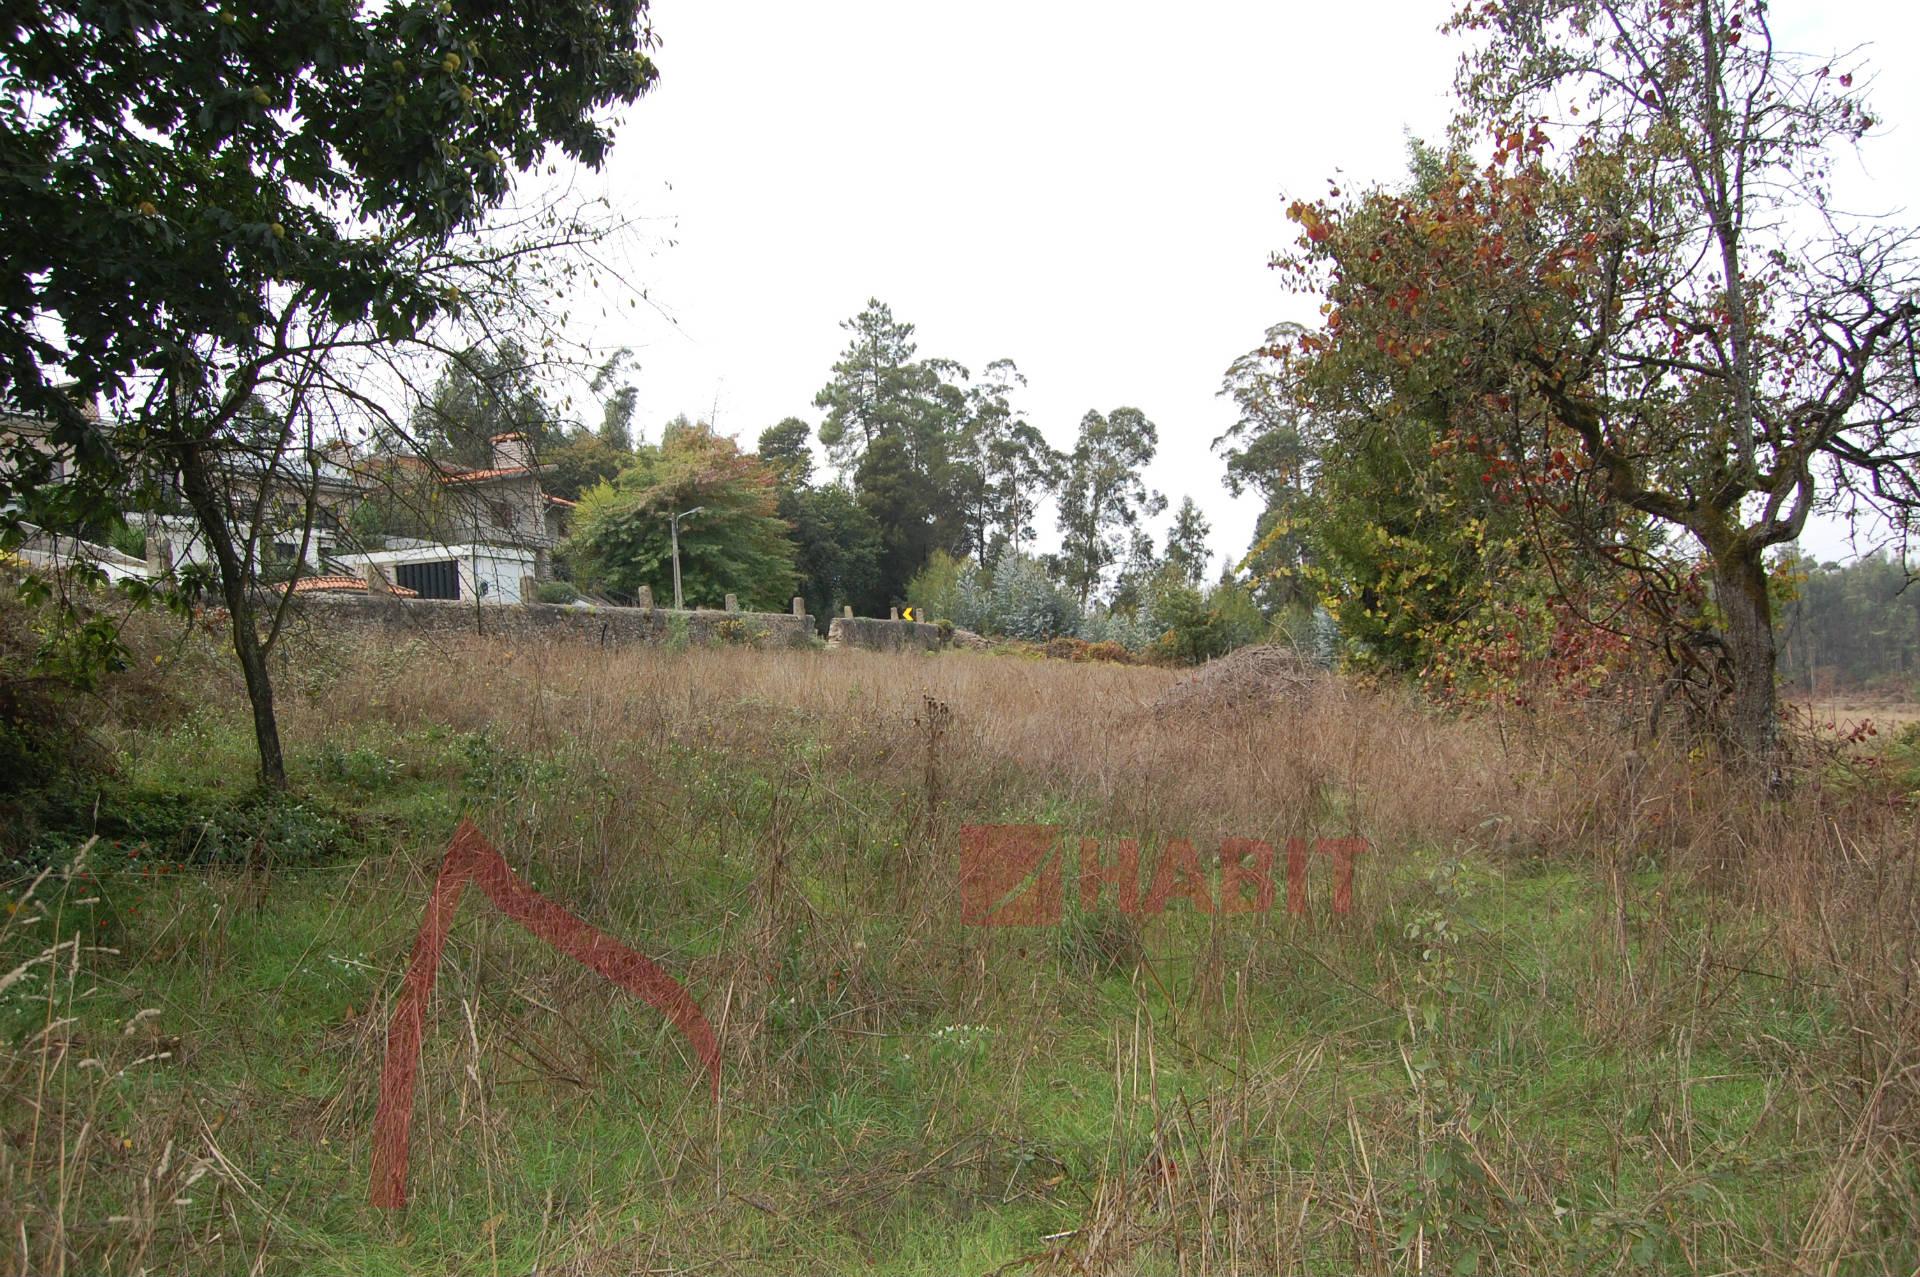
[511, 452]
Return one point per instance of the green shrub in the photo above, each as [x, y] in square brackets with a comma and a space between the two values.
[156, 829]
[127, 539]
[1198, 627]
[558, 592]
[935, 588]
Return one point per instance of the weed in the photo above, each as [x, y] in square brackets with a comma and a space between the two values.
[1586, 1015]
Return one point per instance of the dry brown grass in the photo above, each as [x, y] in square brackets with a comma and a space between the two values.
[1181, 1095]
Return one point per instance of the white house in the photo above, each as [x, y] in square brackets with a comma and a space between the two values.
[505, 503]
[491, 573]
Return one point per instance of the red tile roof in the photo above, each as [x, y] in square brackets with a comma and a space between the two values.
[342, 585]
[559, 500]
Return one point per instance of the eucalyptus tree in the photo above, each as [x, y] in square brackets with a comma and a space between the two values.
[1104, 495]
[1187, 551]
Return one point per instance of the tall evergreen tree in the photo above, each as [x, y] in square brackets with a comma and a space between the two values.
[891, 424]
[1187, 551]
[893, 492]
[837, 553]
[483, 392]
[616, 419]
[1104, 496]
[837, 544]
[784, 447]
[1004, 466]
[1138, 567]
[878, 387]
[1269, 454]
[618, 402]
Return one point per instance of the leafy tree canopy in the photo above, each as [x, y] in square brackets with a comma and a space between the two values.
[785, 448]
[204, 202]
[1650, 318]
[580, 462]
[737, 544]
[175, 171]
[837, 553]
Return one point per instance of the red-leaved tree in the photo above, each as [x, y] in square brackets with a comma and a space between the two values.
[1626, 287]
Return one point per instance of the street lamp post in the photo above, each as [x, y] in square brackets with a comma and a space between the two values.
[674, 521]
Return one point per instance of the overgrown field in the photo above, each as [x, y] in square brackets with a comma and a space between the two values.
[1591, 1012]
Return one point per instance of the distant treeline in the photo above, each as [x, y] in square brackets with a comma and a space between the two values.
[1849, 627]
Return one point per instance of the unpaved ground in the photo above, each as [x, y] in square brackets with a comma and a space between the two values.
[1841, 713]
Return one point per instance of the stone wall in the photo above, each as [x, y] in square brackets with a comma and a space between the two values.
[550, 623]
[884, 636]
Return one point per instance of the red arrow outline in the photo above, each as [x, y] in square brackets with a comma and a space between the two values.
[471, 857]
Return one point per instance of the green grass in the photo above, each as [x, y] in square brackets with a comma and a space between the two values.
[1461, 1075]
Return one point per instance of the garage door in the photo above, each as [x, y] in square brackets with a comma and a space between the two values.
[440, 580]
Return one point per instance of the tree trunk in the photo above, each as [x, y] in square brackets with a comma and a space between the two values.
[1740, 588]
[236, 587]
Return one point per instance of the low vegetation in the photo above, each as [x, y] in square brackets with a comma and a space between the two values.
[1593, 1010]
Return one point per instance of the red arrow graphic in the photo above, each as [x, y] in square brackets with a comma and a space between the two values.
[471, 857]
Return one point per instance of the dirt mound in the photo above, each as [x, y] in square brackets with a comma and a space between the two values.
[1249, 678]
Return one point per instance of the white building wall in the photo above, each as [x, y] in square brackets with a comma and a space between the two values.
[499, 568]
[187, 546]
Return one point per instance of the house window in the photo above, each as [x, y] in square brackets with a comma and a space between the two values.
[503, 515]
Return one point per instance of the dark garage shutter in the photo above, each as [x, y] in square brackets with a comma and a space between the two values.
[430, 580]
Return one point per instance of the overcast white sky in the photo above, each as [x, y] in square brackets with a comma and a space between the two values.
[1092, 190]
